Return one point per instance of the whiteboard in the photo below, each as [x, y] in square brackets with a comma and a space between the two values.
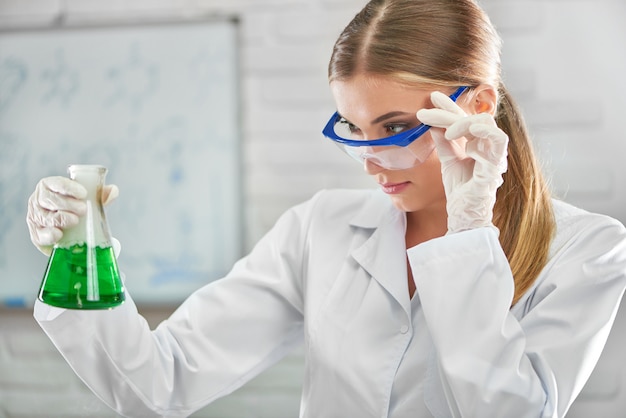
[158, 106]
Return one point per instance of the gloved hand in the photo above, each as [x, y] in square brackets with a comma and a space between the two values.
[56, 204]
[473, 155]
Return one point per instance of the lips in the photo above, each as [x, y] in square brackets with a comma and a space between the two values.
[394, 188]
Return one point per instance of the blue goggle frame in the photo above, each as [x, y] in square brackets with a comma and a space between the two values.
[402, 139]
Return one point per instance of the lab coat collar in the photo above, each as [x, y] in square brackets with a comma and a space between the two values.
[383, 254]
[378, 208]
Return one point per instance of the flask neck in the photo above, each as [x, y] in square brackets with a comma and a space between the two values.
[91, 177]
[92, 229]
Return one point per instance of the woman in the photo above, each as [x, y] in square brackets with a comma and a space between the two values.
[460, 288]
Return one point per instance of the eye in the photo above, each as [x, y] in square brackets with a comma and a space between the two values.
[395, 128]
[345, 126]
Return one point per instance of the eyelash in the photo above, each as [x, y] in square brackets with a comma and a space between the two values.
[388, 127]
[351, 127]
[402, 126]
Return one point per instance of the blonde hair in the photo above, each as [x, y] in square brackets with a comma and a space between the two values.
[447, 43]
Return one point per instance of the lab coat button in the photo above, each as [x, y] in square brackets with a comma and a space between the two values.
[404, 329]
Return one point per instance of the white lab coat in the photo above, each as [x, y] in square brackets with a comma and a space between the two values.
[332, 274]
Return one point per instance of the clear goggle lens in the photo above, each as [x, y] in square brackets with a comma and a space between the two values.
[392, 157]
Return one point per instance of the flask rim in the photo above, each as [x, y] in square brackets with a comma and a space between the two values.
[86, 167]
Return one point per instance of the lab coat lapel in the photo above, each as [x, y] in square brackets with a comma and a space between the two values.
[383, 254]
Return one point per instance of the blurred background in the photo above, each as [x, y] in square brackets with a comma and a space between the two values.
[208, 114]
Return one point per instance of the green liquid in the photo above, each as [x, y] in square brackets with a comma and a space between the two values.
[82, 277]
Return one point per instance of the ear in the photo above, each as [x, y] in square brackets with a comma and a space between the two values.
[484, 99]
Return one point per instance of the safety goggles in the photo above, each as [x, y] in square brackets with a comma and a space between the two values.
[395, 152]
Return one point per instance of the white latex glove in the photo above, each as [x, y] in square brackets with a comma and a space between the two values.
[56, 204]
[473, 155]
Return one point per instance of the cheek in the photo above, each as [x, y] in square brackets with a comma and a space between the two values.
[428, 178]
[428, 174]
[427, 190]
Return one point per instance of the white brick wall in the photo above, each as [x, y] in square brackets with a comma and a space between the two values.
[564, 61]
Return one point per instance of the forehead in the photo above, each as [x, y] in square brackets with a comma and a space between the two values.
[371, 95]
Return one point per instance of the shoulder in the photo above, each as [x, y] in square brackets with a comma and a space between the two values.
[331, 211]
[347, 199]
[342, 204]
[580, 228]
[588, 252]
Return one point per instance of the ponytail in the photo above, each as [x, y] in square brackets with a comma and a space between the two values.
[523, 210]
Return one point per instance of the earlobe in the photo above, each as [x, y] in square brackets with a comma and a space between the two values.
[484, 99]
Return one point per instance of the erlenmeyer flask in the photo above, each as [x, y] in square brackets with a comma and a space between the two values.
[82, 271]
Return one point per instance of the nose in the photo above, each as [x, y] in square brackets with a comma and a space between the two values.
[371, 167]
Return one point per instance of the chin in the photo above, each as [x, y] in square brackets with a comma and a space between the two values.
[405, 205]
[414, 204]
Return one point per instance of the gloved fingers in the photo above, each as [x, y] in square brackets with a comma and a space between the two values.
[60, 194]
[447, 151]
[44, 218]
[488, 144]
[45, 238]
[41, 217]
[117, 246]
[64, 186]
[55, 204]
[487, 171]
[42, 237]
[489, 131]
[45, 227]
[110, 192]
[463, 126]
[490, 160]
[437, 117]
[445, 113]
[442, 101]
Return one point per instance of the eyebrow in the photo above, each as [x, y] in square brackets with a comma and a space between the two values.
[389, 116]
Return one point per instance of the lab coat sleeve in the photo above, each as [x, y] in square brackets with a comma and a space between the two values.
[488, 363]
[220, 337]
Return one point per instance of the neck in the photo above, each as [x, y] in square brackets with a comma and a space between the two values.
[425, 225]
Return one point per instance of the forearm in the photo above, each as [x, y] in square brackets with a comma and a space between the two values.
[202, 352]
[479, 356]
[110, 350]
